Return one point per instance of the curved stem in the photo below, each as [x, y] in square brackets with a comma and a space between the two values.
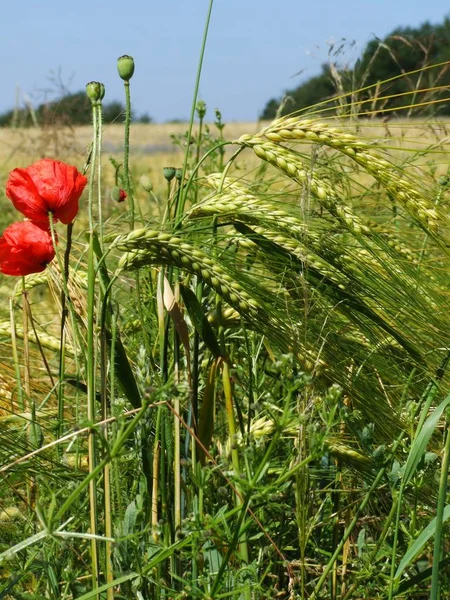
[178, 216]
[194, 102]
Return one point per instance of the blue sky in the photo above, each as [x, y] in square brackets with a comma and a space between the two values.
[254, 51]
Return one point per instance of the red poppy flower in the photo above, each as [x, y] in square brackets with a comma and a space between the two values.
[122, 195]
[25, 248]
[47, 186]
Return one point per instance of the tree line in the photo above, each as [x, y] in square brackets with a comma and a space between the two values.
[69, 109]
[406, 50]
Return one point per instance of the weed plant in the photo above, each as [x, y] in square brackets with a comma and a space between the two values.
[241, 393]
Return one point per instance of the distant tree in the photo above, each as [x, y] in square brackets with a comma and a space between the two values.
[73, 109]
[145, 118]
[176, 121]
[70, 109]
[6, 118]
[404, 50]
[113, 111]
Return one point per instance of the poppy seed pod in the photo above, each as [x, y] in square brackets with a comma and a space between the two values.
[169, 173]
[95, 91]
[125, 67]
[179, 174]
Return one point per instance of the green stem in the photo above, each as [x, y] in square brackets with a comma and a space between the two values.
[126, 153]
[93, 165]
[194, 103]
[16, 356]
[99, 134]
[65, 301]
[435, 588]
[91, 355]
[398, 501]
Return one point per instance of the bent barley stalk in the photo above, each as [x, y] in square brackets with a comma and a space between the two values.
[291, 164]
[239, 204]
[350, 265]
[46, 341]
[295, 129]
[144, 247]
[324, 193]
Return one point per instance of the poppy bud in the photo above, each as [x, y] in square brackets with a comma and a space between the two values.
[179, 174]
[169, 173]
[146, 183]
[118, 194]
[95, 91]
[125, 66]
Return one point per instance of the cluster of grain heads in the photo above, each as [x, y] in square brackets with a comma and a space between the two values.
[238, 203]
[144, 247]
[44, 339]
[290, 163]
[235, 199]
[298, 129]
[366, 280]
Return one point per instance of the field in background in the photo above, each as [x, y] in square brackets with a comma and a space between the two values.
[151, 146]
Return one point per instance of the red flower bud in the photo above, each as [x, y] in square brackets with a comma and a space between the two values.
[47, 186]
[25, 248]
[118, 194]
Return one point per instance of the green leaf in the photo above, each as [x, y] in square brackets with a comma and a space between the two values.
[107, 586]
[421, 440]
[129, 519]
[200, 321]
[420, 542]
[123, 371]
[206, 416]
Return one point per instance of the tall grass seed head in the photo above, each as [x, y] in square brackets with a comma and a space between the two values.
[125, 67]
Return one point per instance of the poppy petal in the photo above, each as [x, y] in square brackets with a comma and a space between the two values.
[21, 190]
[25, 248]
[46, 186]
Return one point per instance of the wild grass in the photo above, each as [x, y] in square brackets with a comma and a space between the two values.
[239, 388]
